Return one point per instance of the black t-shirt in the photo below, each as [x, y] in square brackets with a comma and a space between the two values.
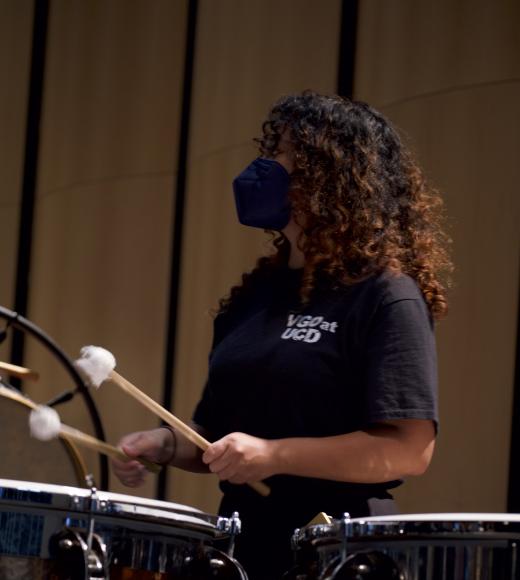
[353, 357]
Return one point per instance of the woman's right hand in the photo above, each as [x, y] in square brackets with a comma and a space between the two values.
[157, 445]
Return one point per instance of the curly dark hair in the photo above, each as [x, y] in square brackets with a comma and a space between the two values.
[362, 202]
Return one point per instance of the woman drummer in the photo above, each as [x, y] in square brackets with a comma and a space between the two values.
[322, 374]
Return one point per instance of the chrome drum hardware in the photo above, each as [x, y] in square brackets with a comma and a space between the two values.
[68, 533]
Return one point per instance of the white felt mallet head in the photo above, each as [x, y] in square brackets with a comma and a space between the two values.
[44, 423]
[95, 364]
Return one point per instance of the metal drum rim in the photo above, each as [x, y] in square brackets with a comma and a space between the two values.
[442, 517]
[406, 525]
[472, 524]
[315, 532]
[15, 494]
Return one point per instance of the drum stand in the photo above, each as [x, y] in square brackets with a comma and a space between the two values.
[231, 526]
[78, 557]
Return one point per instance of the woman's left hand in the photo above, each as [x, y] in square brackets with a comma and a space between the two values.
[241, 458]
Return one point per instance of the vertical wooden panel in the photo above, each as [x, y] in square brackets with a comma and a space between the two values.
[406, 48]
[247, 55]
[105, 189]
[448, 74]
[15, 53]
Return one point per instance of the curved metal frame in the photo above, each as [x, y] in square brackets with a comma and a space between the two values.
[18, 321]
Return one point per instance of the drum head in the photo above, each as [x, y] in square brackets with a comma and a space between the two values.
[26, 458]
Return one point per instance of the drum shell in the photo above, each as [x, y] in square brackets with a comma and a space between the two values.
[315, 547]
[434, 547]
[141, 538]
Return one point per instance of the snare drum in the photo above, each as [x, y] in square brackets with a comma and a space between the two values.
[53, 532]
[464, 546]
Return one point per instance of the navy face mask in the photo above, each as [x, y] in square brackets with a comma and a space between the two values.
[261, 195]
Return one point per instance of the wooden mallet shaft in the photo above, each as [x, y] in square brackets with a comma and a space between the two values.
[173, 421]
[20, 372]
[100, 446]
[82, 438]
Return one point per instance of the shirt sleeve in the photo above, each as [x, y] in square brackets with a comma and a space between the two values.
[401, 363]
[210, 410]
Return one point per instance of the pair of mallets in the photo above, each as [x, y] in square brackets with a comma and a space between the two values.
[97, 365]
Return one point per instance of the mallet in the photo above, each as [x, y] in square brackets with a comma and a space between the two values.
[45, 424]
[97, 365]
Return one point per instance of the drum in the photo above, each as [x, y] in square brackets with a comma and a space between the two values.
[464, 546]
[24, 457]
[53, 532]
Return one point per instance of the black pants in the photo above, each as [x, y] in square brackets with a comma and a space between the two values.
[264, 545]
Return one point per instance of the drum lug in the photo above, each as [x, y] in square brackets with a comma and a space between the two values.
[344, 530]
[85, 555]
[295, 539]
[89, 481]
[231, 526]
[73, 559]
